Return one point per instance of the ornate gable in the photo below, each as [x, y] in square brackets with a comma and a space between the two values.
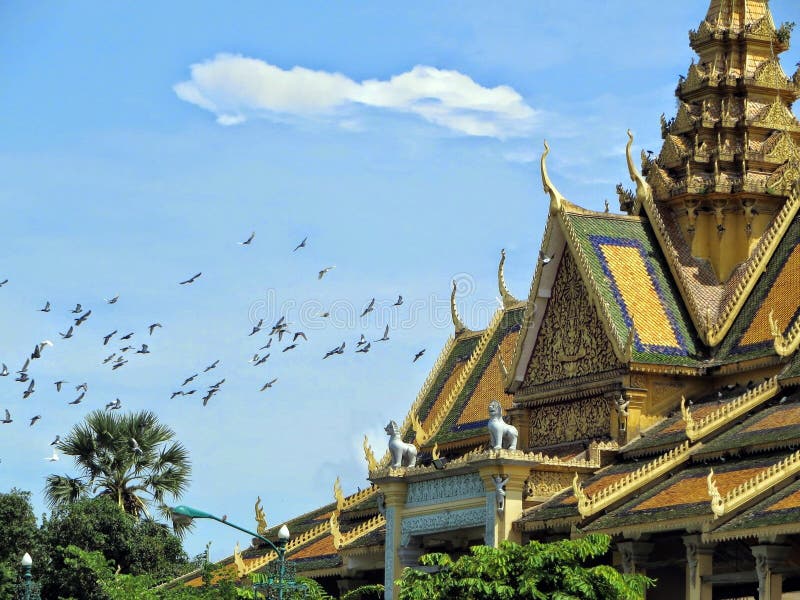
[571, 340]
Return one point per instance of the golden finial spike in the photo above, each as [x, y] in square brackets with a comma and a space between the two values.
[261, 519]
[508, 299]
[435, 452]
[369, 455]
[336, 533]
[643, 190]
[556, 199]
[237, 559]
[717, 501]
[337, 493]
[422, 436]
[457, 322]
[685, 413]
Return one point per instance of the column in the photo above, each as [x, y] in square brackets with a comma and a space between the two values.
[394, 493]
[699, 562]
[768, 558]
[499, 522]
[634, 556]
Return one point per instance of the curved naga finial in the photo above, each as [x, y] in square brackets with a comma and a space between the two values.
[556, 199]
[457, 322]
[505, 295]
[785, 345]
[643, 190]
[338, 494]
[261, 519]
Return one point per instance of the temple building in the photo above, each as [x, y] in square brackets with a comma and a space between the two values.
[648, 386]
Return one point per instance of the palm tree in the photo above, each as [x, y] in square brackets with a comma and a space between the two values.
[131, 458]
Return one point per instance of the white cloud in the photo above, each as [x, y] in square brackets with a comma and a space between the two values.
[236, 88]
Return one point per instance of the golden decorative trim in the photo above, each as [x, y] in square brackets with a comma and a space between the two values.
[556, 199]
[336, 533]
[261, 519]
[369, 456]
[421, 436]
[237, 560]
[357, 498]
[753, 487]
[588, 506]
[293, 544]
[785, 345]
[643, 189]
[755, 267]
[337, 494]
[505, 295]
[698, 428]
[435, 452]
[361, 530]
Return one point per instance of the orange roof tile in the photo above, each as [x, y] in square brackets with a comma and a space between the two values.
[322, 547]
[691, 490]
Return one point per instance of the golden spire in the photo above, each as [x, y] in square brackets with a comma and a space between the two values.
[556, 199]
[457, 322]
[261, 519]
[508, 299]
[338, 494]
[369, 456]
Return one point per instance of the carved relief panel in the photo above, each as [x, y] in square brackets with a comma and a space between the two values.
[571, 341]
[578, 420]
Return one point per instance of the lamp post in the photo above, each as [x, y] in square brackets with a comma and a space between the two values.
[183, 515]
[27, 562]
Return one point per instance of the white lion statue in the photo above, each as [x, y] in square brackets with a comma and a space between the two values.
[501, 434]
[403, 454]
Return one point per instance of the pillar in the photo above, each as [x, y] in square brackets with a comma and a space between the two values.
[634, 556]
[770, 557]
[699, 562]
[499, 522]
[394, 494]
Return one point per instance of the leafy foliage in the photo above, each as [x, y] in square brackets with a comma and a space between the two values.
[565, 569]
[785, 31]
[18, 535]
[130, 458]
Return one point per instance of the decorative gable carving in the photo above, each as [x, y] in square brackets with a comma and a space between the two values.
[779, 117]
[571, 340]
[684, 121]
[769, 74]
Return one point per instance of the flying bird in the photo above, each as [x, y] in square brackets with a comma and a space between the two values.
[337, 350]
[78, 309]
[53, 458]
[115, 405]
[30, 390]
[78, 399]
[361, 341]
[299, 334]
[399, 301]
[126, 348]
[301, 244]
[217, 385]
[267, 345]
[113, 300]
[58, 384]
[34, 419]
[135, 447]
[543, 258]
[68, 334]
[118, 364]
[211, 366]
[24, 368]
[256, 327]
[370, 307]
[108, 337]
[55, 441]
[178, 393]
[385, 337]
[289, 347]
[8, 418]
[188, 379]
[207, 397]
[108, 358]
[269, 384]
[365, 348]
[23, 377]
[261, 360]
[82, 318]
[46, 307]
[249, 240]
[4, 372]
[190, 280]
[2, 283]
[127, 336]
[324, 271]
[153, 326]
[418, 355]
[325, 314]
[144, 350]
[84, 386]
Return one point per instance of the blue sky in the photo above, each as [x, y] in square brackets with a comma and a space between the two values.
[142, 141]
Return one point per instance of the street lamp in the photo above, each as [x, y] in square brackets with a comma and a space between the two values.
[27, 563]
[183, 515]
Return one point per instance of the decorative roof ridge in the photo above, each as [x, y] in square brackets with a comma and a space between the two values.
[468, 369]
[756, 265]
[785, 345]
[361, 495]
[457, 322]
[301, 540]
[556, 199]
[644, 195]
[753, 487]
[359, 531]
[612, 331]
[508, 300]
[423, 392]
[698, 428]
[617, 490]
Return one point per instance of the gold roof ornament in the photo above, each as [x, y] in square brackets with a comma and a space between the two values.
[422, 436]
[784, 345]
[643, 191]
[336, 532]
[505, 295]
[369, 455]
[556, 199]
[237, 559]
[457, 322]
[435, 452]
[338, 494]
[503, 368]
[717, 503]
[261, 519]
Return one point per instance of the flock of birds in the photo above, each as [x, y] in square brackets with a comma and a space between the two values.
[121, 357]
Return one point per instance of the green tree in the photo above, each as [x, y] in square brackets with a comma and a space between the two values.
[18, 535]
[567, 569]
[131, 458]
